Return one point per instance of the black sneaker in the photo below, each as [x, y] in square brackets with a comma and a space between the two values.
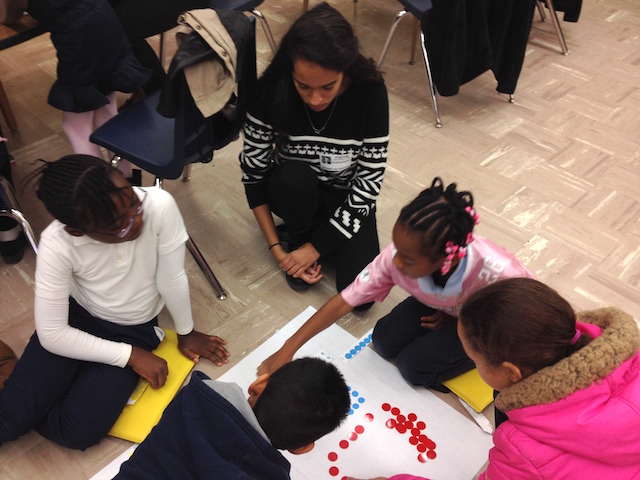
[297, 284]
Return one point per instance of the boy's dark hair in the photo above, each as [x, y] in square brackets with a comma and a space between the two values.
[321, 36]
[78, 190]
[522, 321]
[439, 215]
[303, 401]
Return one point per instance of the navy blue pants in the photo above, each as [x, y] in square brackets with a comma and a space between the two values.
[71, 402]
[424, 357]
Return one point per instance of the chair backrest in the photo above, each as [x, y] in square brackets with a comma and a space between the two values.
[164, 146]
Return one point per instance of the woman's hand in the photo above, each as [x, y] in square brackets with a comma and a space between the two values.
[149, 366]
[435, 321]
[197, 344]
[274, 362]
[302, 261]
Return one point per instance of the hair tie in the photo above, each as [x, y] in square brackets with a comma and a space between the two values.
[593, 331]
[473, 214]
[575, 338]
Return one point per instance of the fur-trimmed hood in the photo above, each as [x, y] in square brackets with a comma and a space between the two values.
[579, 418]
[619, 341]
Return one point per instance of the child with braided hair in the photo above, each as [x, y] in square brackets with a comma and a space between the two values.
[112, 258]
[438, 261]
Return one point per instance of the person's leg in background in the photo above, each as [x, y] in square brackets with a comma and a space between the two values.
[78, 127]
[144, 18]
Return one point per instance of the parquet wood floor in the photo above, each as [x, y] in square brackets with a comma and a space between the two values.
[555, 176]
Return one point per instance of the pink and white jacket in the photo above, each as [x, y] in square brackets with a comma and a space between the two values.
[578, 419]
[484, 263]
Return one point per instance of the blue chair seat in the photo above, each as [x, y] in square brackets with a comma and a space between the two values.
[143, 137]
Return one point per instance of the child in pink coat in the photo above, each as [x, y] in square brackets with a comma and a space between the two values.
[569, 383]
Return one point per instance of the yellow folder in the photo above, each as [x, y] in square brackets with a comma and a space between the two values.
[471, 388]
[146, 405]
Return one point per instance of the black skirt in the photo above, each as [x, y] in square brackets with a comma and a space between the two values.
[94, 54]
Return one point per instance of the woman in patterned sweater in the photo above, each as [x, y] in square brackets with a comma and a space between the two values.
[315, 149]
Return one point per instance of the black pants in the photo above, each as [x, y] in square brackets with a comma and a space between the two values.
[424, 357]
[296, 196]
[71, 402]
[144, 18]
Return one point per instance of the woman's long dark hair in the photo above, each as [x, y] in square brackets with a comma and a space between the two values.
[322, 36]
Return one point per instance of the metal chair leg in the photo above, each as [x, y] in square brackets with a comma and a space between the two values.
[555, 22]
[387, 42]
[425, 56]
[10, 207]
[432, 87]
[267, 30]
[186, 172]
[556, 26]
[543, 16]
[204, 266]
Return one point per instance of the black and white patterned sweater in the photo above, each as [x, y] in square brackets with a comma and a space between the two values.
[349, 154]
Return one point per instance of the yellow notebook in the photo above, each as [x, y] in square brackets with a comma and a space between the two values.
[471, 388]
[146, 405]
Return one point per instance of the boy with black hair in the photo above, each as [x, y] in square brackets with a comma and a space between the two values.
[210, 430]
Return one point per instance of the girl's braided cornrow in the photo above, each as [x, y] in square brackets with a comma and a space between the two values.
[78, 189]
[441, 217]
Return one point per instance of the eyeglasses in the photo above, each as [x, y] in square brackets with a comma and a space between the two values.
[127, 228]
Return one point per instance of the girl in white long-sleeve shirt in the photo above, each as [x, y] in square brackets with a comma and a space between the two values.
[109, 262]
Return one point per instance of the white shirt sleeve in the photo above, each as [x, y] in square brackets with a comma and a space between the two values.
[173, 285]
[51, 311]
[57, 336]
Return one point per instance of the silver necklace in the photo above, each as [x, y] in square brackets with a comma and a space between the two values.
[316, 130]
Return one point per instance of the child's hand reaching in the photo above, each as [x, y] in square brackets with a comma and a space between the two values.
[197, 344]
[149, 366]
[274, 362]
[435, 321]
